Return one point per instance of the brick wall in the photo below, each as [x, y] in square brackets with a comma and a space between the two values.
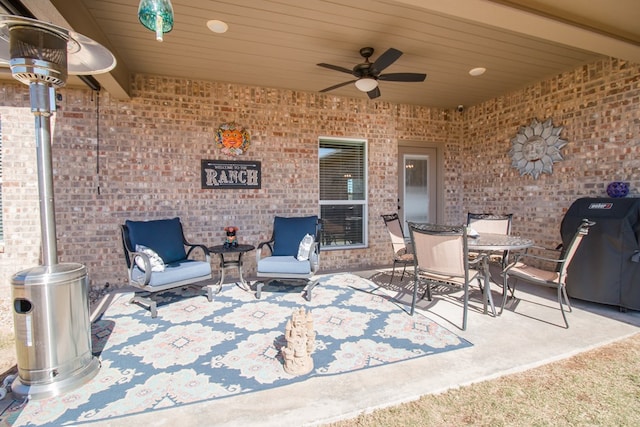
[599, 107]
[140, 159]
[20, 186]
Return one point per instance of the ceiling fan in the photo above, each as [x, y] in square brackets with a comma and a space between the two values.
[367, 73]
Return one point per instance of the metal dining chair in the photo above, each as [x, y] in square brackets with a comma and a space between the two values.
[401, 254]
[442, 258]
[556, 278]
[492, 223]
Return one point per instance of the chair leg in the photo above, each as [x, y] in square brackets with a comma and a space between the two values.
[465, 306]
[393, 272]
[404, 269]
[428, 291]
[566, 298]
[416, 282]
[146, 298]
[210, 293]
[259, 286]
[505, 294]
[506, 289]
[564, 316]
[310, 287]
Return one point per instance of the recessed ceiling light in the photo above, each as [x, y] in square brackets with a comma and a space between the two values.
[217, 26]
[477, 71]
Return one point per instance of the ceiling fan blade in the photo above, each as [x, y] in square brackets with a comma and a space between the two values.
[386, 59]
[337, 86]
[336, 68]
[374, 93]
[403, 77]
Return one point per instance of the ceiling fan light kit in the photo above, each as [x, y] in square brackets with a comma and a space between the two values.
[367, 74]
[157, 16]
[366, 84]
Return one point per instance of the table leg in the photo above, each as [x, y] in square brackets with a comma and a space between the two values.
[224, 264]
[487, 297]
[243, 282]
[221, 280]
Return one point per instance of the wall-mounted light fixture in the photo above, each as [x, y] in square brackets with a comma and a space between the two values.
[156, 15]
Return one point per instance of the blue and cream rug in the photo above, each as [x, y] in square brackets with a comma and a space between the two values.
[197, 350]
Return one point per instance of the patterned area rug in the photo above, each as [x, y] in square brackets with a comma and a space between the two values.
[197, 350]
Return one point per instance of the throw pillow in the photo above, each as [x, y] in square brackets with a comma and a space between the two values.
[304, 249]
[157, 264]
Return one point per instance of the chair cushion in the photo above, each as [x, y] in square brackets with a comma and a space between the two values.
[289, 232]
[175, 272]
[284, 265]
[164, 236]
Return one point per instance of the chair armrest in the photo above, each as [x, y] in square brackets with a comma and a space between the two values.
[542, 248]
[147, 266]
[517, 258]
[477, 259]
[268, 244]
[194, 247]
[539, 258]
[516, 255]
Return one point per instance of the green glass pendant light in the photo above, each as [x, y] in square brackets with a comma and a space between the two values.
[156, 15]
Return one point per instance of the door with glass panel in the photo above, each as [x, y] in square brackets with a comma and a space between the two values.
[417, 185]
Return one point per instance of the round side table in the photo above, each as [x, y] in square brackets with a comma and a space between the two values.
[223, 250]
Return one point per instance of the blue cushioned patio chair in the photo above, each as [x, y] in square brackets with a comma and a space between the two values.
[174, 266]
[280, 262]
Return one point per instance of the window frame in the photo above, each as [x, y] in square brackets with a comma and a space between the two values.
[364, 202]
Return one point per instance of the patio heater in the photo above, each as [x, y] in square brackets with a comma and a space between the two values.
[50, 301]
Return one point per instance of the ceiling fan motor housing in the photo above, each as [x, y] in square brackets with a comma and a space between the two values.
[363, 70]
[38, 55]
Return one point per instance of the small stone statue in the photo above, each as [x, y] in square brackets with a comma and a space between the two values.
[300, 338]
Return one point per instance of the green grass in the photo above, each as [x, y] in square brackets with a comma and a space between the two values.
[597, 388]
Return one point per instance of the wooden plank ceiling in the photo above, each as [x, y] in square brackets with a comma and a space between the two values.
[277, 43]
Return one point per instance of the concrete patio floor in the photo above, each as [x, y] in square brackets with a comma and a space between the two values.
[529, 333]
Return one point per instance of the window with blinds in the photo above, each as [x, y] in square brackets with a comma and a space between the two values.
[343, 192]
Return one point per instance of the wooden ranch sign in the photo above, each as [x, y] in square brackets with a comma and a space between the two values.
[218, 174]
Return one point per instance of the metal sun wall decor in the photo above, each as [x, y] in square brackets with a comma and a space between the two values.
[536, 147]
[232, 138]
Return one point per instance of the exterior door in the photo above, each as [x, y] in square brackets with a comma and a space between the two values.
[417, 185]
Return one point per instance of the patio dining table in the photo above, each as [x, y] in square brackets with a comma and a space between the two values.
[486, 243]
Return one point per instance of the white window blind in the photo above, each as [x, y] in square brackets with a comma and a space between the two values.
[343, 192]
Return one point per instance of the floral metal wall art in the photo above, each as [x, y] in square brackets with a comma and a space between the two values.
[536, 147]
[232, 138]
